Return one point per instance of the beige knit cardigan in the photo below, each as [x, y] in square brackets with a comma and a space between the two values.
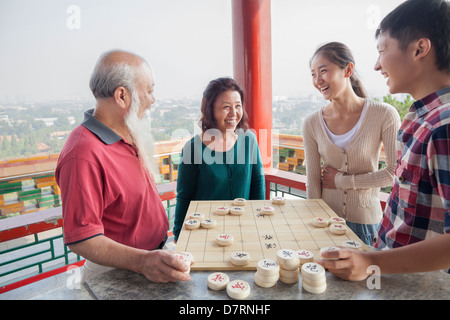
[359, 180]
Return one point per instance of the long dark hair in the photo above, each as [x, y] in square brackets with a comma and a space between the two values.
[339, 54]
[214, 89]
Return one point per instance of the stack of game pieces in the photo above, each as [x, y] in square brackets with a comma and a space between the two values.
[267, 273]
[305, 256]
[289, 264]
[313, 278]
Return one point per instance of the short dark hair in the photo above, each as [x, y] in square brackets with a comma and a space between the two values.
[414, 19]
[214, 89]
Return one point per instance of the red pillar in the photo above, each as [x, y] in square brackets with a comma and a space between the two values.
[252, 57]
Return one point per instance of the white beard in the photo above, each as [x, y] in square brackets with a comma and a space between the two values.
[143, 139]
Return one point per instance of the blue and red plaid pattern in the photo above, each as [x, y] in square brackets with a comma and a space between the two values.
[419, 204]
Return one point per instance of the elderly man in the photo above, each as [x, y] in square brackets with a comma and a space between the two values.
[111, 209]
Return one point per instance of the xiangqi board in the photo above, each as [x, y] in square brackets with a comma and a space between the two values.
[260, 235]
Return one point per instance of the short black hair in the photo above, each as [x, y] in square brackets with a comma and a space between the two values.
[415, 19]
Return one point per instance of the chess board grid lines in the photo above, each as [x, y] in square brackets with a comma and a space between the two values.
[314, 208]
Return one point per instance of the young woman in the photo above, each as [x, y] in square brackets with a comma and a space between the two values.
[223, 162]
[343, 141]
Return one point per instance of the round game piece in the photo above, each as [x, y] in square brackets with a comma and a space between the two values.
[278, 200]
[217, 281]
[189, 256]
[289, 280]
[239, 258]
[352, 244]
[268, 267]
[238, 289]
[208, 223]
[336, 220]
[289, 274]
[313, 278]
[330, 248]
[338, 228]
[268, 210]
[185, 259]
[222, 211]
[237, 211]
[197, 215]
[320, 222]
[224, 239]
[313, 271]
[192, 224]
[288, 259]
[305, 256]
[315, 283]
[265, 282]
[315, 290]
[239, 202]
[267, 279]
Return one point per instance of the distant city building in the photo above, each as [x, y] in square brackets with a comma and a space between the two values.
[47, 121]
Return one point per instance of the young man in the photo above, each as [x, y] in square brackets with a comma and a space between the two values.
[414, 55]
[112, 213]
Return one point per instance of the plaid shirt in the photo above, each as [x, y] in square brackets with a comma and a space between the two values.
[418, 207]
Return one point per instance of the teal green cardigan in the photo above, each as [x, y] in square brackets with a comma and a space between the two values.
[204, 174]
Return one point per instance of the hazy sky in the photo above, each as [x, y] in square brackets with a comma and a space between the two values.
[49, 47]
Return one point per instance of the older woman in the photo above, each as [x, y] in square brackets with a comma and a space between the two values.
[223, 162]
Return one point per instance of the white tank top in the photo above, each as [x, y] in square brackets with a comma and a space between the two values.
[342, 140]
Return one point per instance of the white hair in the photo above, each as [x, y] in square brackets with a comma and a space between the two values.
[140, 130]
[108, 76]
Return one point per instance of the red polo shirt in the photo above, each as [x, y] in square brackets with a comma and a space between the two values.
[106, 191]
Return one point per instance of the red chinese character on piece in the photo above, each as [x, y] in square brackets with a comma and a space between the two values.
[319, 219]
[223, 208]
[304, 253]
[239, 286]
[218, 278]
[338, 226]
